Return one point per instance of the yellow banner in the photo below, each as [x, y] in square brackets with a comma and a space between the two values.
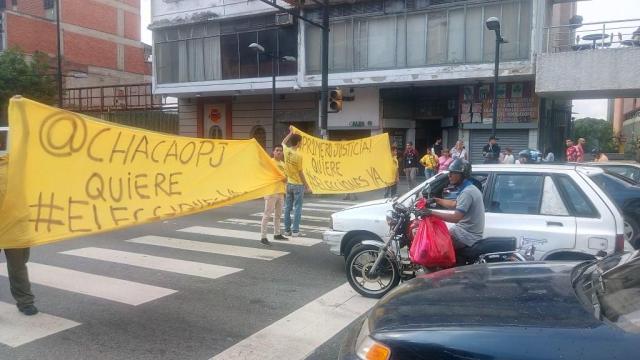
[70, 175]
[340, 167]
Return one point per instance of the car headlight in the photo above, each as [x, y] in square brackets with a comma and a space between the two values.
[369, 349]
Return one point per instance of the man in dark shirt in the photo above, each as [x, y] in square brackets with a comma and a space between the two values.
[491, 151]
[437, 147]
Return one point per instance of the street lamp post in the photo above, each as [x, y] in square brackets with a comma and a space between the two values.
[58, 54]
[493, 23]
[274, 58]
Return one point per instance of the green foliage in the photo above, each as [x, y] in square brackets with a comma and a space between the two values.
[29, 78]
[597, 132]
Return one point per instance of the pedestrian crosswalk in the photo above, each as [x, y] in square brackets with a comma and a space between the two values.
[234, 237]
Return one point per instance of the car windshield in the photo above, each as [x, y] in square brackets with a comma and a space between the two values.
[627, 171]
[610, 288]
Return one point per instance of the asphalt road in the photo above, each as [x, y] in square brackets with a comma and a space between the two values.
[194, 299]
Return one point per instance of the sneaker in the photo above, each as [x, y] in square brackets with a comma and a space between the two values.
[280, 237]
[295, 234]
[28, 310]
[287, 233]
[265, 241]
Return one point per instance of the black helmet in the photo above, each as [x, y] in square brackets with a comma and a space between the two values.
[525, 154]
[461, 166]
[595, 151]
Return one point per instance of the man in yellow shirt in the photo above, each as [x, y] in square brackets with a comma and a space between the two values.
[273, 204]
[430, 163]
[296, 183]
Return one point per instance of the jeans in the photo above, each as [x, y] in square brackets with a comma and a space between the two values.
[272, 205]
[18, 276]
[293, 200]
[391, 191]
[428, 173]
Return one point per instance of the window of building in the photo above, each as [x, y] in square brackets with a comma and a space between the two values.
[49, 9]
[215, 132]
[387, 34]
[220, 51]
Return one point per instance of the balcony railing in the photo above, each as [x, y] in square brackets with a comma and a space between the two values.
[114, 98]
[593, 36]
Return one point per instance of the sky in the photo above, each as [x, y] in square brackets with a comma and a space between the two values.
[590, 10]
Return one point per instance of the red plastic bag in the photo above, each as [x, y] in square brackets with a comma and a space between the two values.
[432, 245]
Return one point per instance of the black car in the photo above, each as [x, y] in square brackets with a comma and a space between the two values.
[526, 311]
[625, 193]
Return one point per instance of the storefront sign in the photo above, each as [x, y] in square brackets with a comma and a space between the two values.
[516, 104]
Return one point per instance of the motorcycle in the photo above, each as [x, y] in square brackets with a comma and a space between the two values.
[375, 268]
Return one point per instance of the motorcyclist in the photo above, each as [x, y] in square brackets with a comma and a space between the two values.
[524, 157]
[468, 216]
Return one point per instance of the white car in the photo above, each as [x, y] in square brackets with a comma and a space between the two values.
[557, 208]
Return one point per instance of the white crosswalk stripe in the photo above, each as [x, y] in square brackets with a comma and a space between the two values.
[155, 262]
[247, 235]
[212, 248]
[122, 291]
[298, 334]
[326, 205]
[250, 221]
[304, 217]
[347, 203]
[305, 208]
[17, 329]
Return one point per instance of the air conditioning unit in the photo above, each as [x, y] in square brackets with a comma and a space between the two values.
[283, 19]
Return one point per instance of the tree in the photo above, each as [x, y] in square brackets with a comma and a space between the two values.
[27, 77]
[597, 132]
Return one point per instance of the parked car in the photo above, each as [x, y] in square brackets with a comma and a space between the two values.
[626, 194]
[557, 208]
[630, 170]
[538, 310]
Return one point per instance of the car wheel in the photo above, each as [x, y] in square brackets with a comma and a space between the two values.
[356, 240]
[632, 232]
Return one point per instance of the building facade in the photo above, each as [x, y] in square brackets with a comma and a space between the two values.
[100, 39]
[417, 69]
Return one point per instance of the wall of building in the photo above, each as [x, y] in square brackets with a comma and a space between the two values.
[361, 113]
[186, 11]
[187, 117]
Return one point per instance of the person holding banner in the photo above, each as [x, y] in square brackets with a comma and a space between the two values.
[19, 280]
[273, 204]
[296, 183]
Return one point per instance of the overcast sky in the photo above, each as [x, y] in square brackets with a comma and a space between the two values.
[591, 11]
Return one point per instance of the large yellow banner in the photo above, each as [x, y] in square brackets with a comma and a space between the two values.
[340, 167]
[70, 175]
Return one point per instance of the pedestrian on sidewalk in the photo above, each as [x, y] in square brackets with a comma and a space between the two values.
[491, 151]
[508, 156]
[444, 161]
[430, 163]
[392, 190]
[459, 151]
[580, 149]
[273, 204]
[570, 153]
[411, 164]
[296, 183]
[437, 147]
[19, 283]
[598, 155]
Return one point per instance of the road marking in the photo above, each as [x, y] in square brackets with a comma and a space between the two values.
[212, 248]
[247, 235]
[249, 221]
[304, 208]
[325, 205]
[122, 291]
[257, 226]
[17, 329]
[298, 334]
[304, 217]
[192, 268]
[349, 203]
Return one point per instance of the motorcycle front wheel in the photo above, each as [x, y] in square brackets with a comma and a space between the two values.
[359, 262]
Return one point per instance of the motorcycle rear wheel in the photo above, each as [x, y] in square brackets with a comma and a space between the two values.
[358, 264]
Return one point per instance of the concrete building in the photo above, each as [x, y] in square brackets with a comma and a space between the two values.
[100, 38]
[417, 69]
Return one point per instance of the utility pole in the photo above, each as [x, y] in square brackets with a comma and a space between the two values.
[59, 54]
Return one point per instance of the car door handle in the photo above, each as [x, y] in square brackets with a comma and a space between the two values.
[554, 223]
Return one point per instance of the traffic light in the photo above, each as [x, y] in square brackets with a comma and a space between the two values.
[335, 100]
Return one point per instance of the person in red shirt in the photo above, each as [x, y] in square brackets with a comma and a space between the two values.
[571, 151]
[580, 150]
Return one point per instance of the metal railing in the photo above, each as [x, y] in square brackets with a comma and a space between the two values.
[114, 98]
[593, 36]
